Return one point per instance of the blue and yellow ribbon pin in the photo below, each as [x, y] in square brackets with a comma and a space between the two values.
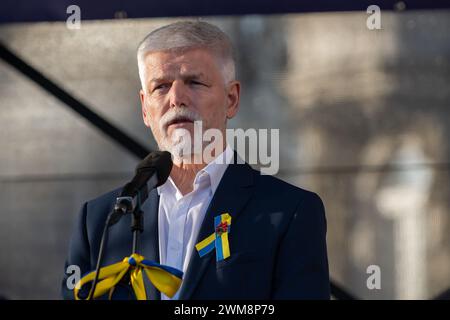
[166, 279]
[218, 239]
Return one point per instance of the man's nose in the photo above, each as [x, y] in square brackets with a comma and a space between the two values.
[179, 94]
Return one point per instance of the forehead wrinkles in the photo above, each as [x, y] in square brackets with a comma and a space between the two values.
[156, 69]
[173, 70]
[172, 65]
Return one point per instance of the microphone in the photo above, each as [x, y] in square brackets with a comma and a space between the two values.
[150, 173]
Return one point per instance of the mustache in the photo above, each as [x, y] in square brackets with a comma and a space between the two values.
[175, 115]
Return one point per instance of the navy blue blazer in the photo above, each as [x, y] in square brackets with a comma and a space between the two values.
[277, 241]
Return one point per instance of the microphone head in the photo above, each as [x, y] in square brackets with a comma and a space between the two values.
[159, 161]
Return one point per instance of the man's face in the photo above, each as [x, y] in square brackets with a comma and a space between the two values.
[183, 87]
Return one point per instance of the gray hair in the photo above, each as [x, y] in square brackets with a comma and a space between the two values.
[185, 35]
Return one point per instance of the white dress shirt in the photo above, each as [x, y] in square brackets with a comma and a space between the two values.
[180, 217]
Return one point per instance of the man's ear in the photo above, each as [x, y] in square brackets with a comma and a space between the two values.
[233, 95]
[145, 115]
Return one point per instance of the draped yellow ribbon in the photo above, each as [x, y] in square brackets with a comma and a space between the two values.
[166, 279]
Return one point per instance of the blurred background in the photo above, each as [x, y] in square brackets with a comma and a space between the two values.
[363, 118]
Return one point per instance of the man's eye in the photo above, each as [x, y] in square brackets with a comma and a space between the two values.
[196, 83]
[161, 86]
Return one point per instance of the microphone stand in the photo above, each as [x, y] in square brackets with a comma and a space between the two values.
[137, 227]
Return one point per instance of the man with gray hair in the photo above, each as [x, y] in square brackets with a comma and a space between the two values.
[202, 55]
[235, 234]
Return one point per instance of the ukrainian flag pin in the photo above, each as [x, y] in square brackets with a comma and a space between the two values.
[218, 239]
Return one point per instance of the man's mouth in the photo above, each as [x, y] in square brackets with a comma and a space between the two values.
[179, 122]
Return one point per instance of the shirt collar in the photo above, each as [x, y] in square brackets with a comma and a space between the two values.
[214, 170]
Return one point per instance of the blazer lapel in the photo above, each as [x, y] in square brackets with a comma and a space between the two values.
[231, 196]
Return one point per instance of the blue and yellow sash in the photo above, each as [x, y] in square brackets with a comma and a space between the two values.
[166, 279]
